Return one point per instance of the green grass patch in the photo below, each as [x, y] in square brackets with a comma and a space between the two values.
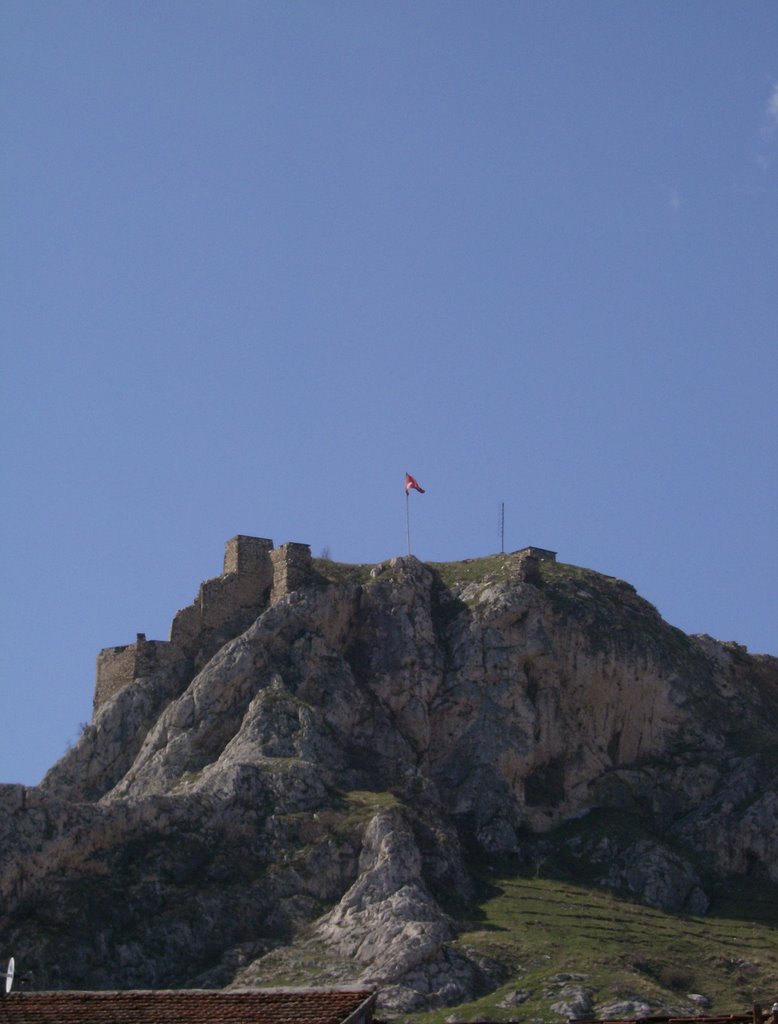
[351, 809]
[498, 568]
[492, 568]
[364, 804]
[341, 572]
[308, 962]
[550, 571]
[541, 928]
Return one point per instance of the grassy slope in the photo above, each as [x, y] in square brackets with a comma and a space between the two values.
[544, 927]
[545, 930]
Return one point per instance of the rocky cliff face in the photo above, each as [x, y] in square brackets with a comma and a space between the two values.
[328, 778]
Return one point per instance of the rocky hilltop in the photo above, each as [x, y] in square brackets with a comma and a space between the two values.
[304, 783]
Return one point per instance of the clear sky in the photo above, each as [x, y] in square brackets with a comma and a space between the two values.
[261, 258]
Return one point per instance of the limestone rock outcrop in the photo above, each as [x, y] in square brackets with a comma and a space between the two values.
[324, 778]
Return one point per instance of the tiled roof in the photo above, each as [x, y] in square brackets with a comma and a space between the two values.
[755, 1016]
[189, 1006]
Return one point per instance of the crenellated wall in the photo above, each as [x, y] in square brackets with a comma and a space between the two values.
[255, 576]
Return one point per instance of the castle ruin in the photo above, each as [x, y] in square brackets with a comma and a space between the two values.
[256, 575]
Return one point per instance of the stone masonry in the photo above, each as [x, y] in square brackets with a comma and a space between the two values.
[291, 569]
[116, 666]
[529, 563]
[542, 554]
[246, 554]
[255, 576]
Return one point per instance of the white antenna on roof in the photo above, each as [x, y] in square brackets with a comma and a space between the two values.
[9, 975]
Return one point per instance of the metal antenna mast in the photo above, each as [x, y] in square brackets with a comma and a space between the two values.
[502, 527]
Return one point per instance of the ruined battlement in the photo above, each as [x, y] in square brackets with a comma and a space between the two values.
[292, 566]
[116, 666]
[255, 576]
[246, 554]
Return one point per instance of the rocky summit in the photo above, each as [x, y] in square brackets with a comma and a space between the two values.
[310, 786]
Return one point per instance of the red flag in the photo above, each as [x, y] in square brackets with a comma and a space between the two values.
[410, 482]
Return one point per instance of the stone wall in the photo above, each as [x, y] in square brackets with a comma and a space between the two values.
[542, 554]
[292, 568]
[227, 604]
[115, 668]
[118, 666]
[255, 576]
[246, 554]
[528, 567]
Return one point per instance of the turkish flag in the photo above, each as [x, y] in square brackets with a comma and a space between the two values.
[410, 482]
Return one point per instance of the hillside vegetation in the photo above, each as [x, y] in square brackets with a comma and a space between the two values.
[588, 949]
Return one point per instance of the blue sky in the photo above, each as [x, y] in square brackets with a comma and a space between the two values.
[260, 259]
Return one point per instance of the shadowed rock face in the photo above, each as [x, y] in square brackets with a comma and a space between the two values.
[340, 763]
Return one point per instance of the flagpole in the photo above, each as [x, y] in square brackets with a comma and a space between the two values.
[408, 519]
